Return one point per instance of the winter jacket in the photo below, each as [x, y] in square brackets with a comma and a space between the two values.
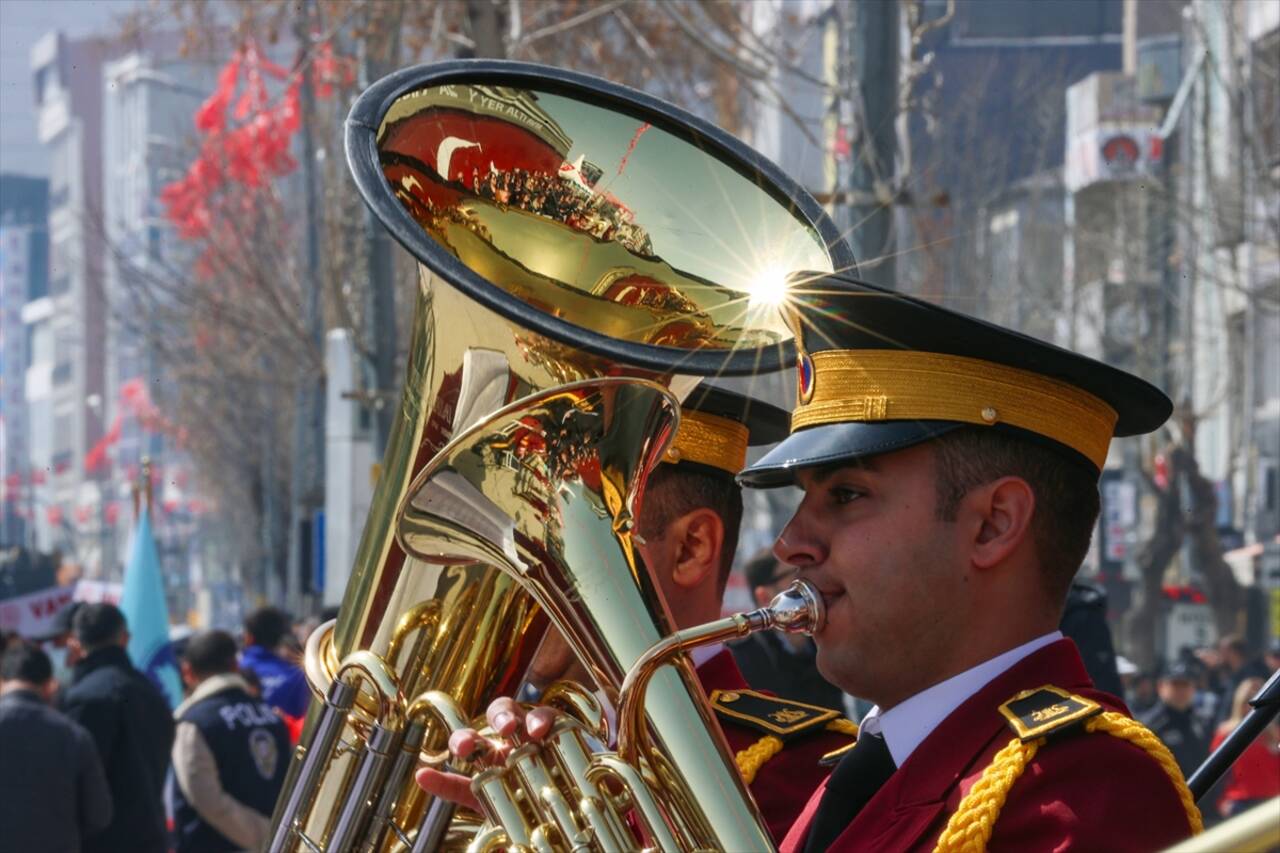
[132, 727]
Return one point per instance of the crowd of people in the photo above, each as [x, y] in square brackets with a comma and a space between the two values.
[1193, 704]
[564, 201]
[96, 760]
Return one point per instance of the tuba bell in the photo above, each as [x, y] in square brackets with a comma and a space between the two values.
[586, 254]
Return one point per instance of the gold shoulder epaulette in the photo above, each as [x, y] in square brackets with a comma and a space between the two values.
[781, 718]
[1045, 711]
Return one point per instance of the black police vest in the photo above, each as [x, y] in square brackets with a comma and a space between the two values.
[250, 746]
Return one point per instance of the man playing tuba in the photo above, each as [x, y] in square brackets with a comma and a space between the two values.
[949, 470]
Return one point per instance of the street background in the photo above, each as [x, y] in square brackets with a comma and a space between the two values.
[188, 277]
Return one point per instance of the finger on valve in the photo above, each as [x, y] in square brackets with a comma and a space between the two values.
[508, 718]
[453, 787]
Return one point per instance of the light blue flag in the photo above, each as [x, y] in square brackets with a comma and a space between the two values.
[144, 607]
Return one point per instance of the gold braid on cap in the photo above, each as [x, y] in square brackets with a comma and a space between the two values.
[907, 385]
[709, 440]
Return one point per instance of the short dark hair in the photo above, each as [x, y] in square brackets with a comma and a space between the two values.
[98, 624]
[267, 625]
[1066, 493]
[675, 490]
[211, 653]
[26, 662]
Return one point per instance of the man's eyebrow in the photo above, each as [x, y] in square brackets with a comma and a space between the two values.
[825, 472]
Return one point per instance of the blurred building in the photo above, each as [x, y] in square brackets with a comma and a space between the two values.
[24, 275]
[149, 98]
[118, 126]
[67, 324]
[976, 181]
[987, 146]
[1228, 145]
[1170, 268]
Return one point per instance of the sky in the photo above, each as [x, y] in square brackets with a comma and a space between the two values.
[22, 23]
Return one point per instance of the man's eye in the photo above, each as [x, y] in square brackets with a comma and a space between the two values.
[845, 494]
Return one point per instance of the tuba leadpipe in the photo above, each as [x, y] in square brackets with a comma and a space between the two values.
[565, 229]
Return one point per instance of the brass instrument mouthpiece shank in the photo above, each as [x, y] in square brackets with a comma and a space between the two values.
[799, 609]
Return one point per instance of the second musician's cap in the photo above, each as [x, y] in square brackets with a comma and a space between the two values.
[880, 371]
[717, 426]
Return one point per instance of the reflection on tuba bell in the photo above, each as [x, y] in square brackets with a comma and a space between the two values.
[586, 253]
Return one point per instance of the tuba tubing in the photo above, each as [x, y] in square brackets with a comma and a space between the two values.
[557, 795]
[560, 518]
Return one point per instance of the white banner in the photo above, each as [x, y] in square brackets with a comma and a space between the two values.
[32, 615]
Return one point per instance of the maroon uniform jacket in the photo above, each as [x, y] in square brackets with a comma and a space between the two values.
[1083, 791]
[782, 786]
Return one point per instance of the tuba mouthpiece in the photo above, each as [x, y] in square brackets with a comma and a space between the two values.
[798, 609]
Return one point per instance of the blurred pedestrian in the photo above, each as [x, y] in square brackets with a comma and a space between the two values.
[1236, 666]
[780, 663]
[284, 685]
[1272, 656]
[1175, 721]
[131, 725]
[53, 791]
[1084, 619]
[1255, 775]
[230, 755]
[62, 647]
[1141, 694]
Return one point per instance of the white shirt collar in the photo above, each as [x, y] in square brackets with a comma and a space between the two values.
[905, 726]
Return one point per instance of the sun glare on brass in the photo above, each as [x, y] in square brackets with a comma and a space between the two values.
[768, 289]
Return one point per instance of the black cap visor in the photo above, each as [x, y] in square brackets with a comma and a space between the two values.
[834, 444]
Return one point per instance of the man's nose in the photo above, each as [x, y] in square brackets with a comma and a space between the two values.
[797, 545]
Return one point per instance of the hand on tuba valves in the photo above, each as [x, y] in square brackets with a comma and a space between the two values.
[542, 780]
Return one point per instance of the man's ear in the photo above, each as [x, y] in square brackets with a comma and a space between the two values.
[699, 536]
[1000, 513]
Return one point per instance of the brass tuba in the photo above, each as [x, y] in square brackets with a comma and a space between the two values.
[586, 253]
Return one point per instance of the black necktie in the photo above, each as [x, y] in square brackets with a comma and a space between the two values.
[852, 785]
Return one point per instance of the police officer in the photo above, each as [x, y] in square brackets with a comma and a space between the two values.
[949, 472]
[230, 755]
[1175, 719]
